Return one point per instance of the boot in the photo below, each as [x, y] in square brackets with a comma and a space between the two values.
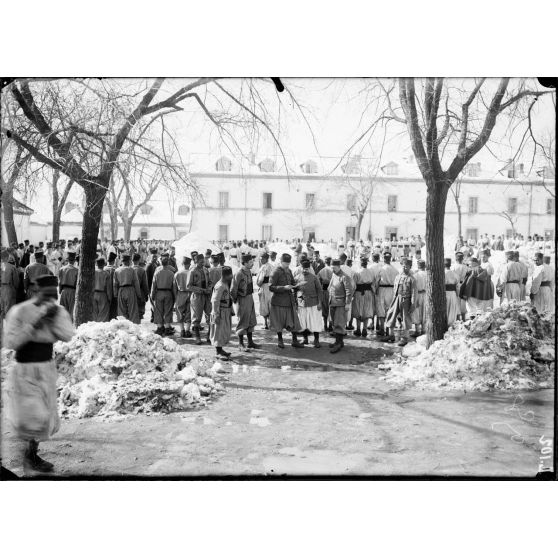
[207, 337]
[296, 343]
[251, 344]
[365, 331]
[197, 335]
[338, 345]
[357, 332]
[266, 324]
[402, 342]
[169, 331]
[350, 326]
[280, 343]
[160, 330]
[241, 346]
[222, 354]
[31, 459]
[317, 340]
[188, 333]
[305, 337]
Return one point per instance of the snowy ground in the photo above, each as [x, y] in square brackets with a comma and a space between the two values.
[305, 411]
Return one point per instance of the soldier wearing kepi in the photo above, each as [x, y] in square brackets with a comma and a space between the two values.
[32, 271]
[460, 269]
[199, 284]
[32, 328]
[510, 278]
[384, 293]
[67, 278]
[103, 293]
[242, 290]
[309, 299]
[221, 313]
[182, 298]
[324, 276]
[113, 301]
[283, 313]
[453, 306]
[524, 275]
[142, 280]
[363, 301]
[264, 294]
[127, 289]
[340, 293]
[10, 283]
[542, 285]
[403, 303]
[162, 295]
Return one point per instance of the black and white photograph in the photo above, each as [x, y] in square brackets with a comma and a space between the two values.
[278, 277]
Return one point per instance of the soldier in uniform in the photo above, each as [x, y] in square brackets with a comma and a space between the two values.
[375, 267]
[221, 313]
[340, 293]
[113, 301]
[460, 269]
[242, 290]
[142, 280]
[10, 283]
[324, 275]
[384, 293]
[309, 300]
[273, 259]
[524, 275]
[162, 295]
[510, 278]
[103, 293]
[32, 271]
[199, 284]
[453, 306]
[283, 314]
[403, 303]
[182, 298]
[318, 264]
[363, 300]
[215, 269]
[127, 289]
[264, 294]
[32, 328]
[419, 315]
[542, 286]
[67, 278]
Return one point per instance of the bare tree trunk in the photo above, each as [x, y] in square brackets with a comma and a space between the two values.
[436, 314]
[127, 222]
[8, 208]
[94, 196]
[458, 218]
[56, 218]
[360, 218]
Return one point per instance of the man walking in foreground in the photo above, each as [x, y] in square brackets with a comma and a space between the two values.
[221, 313]
[340, 292]
[32, 328]
[403, 303]
[242, 290]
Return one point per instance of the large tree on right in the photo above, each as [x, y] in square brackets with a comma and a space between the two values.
[448, 123]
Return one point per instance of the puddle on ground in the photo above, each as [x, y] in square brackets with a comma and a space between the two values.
[294, 461]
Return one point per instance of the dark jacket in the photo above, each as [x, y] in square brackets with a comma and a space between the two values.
[279, 279]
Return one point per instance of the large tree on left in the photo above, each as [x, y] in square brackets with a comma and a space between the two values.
[80, 127]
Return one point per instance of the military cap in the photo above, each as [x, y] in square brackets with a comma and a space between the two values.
[153, 250]
[328, 260]
[208, 252]
[126, 257]
[459, 253]
[387, 254]
[336, 261]
[474, 261]
[38, 252]
[264, 256]
[447, 260]
[186, 259]
[305, 264]
[421, 263]
[226, 270]
[71, 252]
[286, 258]
[273, 253]
[101, 261]
[246, 258]
[509, 253]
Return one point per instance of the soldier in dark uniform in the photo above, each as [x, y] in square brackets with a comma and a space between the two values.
[32, 271]
[162, 295]
[113, 301]
[284, 313]
[340, 291]
[142, 279]
[318, 264]
[10, 283]
[103, 293]
[242, 293]
[67, 277]
[199, 284]
[127, 289]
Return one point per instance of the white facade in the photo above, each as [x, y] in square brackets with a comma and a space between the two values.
[237, 207]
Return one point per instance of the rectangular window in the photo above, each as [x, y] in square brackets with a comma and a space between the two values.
[549, 234]
[223, 233]
[472, 234]
[392, 203]
[473, 205]
[512, 205]
[310, 201]
[267, 232]
[509, 233]
[550, 206]
[223, 200]
[351, 202]
[267, 200]
[143, 233]
[511, 173]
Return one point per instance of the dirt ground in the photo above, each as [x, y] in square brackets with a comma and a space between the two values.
[307, 412]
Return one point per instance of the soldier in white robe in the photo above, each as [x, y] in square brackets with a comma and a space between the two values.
[542, 286]
[453, 306]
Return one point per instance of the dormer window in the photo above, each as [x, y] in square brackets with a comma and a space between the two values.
[309, 167]
[223, 164]
[267, 165]
[183, 210]
[391, 169]
[472, 169]
[146, 209]
[352, 166]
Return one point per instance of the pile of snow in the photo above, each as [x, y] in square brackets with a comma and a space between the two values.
[510, 347]
[119, 367]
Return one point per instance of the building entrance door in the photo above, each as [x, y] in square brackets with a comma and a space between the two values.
[350, 233]
[309, 234]
[391, 233]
